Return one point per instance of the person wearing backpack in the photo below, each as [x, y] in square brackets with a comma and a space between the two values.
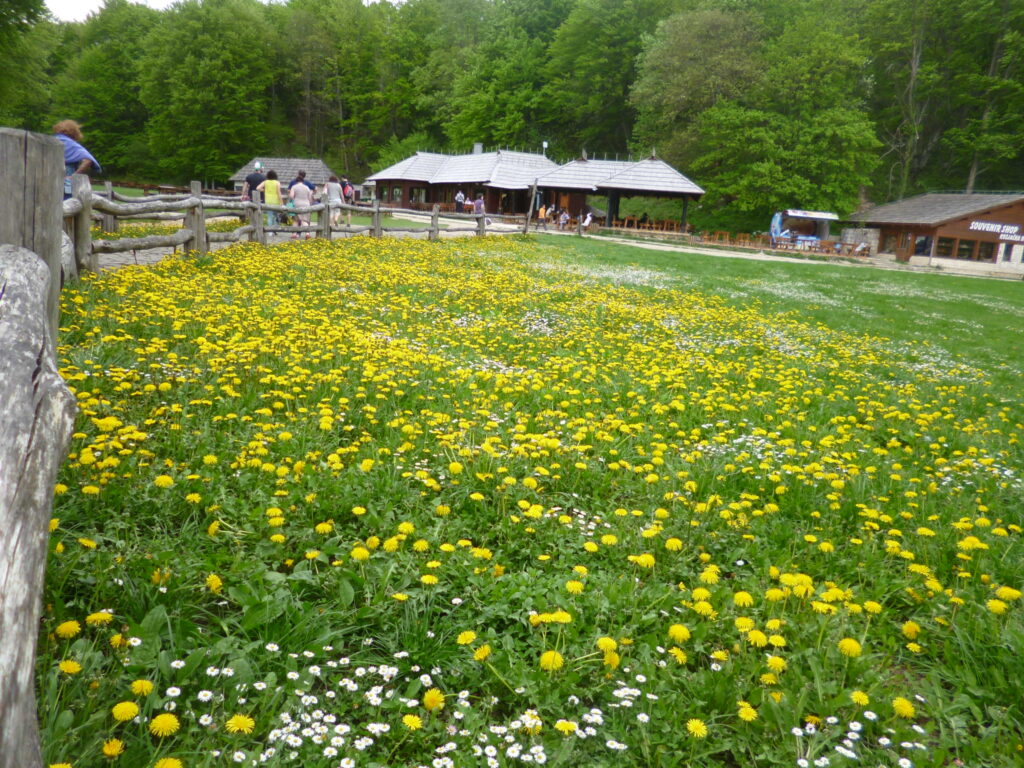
[348, 194]
[460, 201]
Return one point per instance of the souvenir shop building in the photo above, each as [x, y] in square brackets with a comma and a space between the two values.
[959, 230]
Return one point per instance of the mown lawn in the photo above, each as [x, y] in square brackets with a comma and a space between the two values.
[535, 501]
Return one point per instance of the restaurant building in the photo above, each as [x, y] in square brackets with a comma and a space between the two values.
[505, 178]
[969, 232]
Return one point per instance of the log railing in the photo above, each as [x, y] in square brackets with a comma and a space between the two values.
[109, 207]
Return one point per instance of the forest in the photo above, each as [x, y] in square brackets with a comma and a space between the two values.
[820, 104]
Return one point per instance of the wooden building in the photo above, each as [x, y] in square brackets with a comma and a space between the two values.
[287, 168]
[505, 178]
[957, 229]
[569, 185]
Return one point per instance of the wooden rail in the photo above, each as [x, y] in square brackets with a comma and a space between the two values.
[109, 207]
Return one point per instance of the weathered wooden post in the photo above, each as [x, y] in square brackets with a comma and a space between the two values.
[36, 421]
[110, 221]
[85, 259]
[325, 221]
[481, 225]
[435, 227]
[529, 208]
[377, 230]
[195, 220]
[31, 176]
[256, 218]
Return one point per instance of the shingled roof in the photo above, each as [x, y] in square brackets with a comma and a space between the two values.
[651, 175]
[502, 168]
[288, 168]
[934, 209]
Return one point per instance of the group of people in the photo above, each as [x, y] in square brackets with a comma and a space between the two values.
[301, 193]
[560, 217]
[473, 206]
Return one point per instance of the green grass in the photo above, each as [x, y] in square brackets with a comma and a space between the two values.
[720, 513]
[977, 320]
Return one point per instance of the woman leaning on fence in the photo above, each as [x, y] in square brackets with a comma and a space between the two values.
[77, 159]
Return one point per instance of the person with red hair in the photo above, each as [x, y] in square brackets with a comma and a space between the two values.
[77, 159]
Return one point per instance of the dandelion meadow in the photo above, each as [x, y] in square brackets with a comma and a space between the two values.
[397, 503]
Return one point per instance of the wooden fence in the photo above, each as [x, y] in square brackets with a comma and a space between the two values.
[195, 208]
[36, 419]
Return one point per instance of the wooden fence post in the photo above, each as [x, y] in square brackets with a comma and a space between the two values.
[85, 259]
[435, 228]
[110, 221]
[36, 422]
[325, 221]
[31, 176]
[256, 218]
[377, 230]
[196, 220]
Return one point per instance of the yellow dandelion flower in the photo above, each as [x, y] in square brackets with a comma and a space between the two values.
[124, 711]
[412, 722]
[566, 727]
[849, 647]
[163, 481]
[113, 747]
[481, 653]
[99, 618]
[142, 687]
[911, 630]
[679, 633]
[996, 606]
[164, 724]
[606, 644]
[903, 708]
[214, 583]
[551, 661]
[859, 698]
[757, 638]
[433, 700]
[742, 599]
[429, 579]
[696, 728]
[678, 654]
[68, 629]
[240, 724]
[70, 667]
[748, 714]
[465, 638]
[168, 762]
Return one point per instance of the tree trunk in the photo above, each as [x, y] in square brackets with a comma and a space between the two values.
[36, 421]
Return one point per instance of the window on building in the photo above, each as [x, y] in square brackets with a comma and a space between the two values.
[889, 244]
[986, 251]
[944, 247]
[396, 194]
[418, 195]
[1007, 252]
[922, 246]
[965, 249]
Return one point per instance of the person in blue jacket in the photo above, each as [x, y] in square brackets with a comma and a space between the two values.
[77, 159]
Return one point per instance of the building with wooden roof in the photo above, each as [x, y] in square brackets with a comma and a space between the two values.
[287, 169]
[568, 186]
[505, 178]
[955, 229]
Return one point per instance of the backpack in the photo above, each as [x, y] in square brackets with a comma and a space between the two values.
[347, 191]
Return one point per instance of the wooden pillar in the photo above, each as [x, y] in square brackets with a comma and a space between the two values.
[85, 259]
[31, 175]
[435, 227]
[377, 231]
[531, 203]
[682, 220]
[613, 208]
[36, 422]
[110, 221]
[195, 220]
[257, 235]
